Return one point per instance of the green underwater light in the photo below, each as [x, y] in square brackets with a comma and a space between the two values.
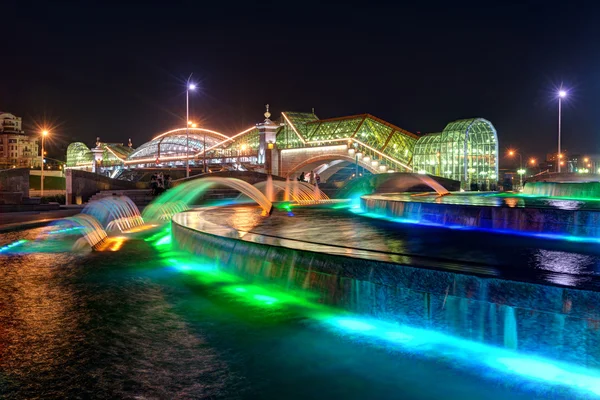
[488, 359]
[12, 245]
[497, 363]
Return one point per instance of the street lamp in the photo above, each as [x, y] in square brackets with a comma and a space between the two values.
[561, 95]
[44, 134]
[512, 153]
[190, 86]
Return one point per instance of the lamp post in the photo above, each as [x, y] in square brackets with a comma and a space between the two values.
[521, 171]
[44, 134]
[561, 95]
[190, 86]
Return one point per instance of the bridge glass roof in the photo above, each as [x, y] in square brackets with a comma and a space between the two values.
[374, 137]
[78, 154]
[174, 145]
[466, 150]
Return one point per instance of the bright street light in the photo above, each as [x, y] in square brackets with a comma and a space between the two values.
[44, 134]
[512, 153]
[561, 95]
[190, 86]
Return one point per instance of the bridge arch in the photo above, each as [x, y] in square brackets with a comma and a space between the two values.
[316, 161]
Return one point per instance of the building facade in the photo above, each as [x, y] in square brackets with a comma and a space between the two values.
[17, 149]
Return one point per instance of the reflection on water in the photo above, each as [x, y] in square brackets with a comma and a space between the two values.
[571, 268]
[127, 324]
[83, 326]
[565, 204]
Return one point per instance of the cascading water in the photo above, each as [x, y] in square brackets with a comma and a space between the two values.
[115, 213]
[164, 207]
[588, 190]
[317, 192]
[510, 328]
[303, 192]
[93, 233]
[269, 188]
[295, 189]
[286, 194]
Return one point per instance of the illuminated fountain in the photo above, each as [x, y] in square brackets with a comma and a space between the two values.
[164, 207]
[579, 190]
[433, 306]
[91, 231]
[301, 193]
[115, 213]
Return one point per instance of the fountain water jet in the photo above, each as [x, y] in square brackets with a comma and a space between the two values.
[302, 193]
[286, 194]
[164, 207]
[93, 232]
[269, 188]
[115, 213]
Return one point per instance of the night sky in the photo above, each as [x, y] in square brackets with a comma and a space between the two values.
[118, 71]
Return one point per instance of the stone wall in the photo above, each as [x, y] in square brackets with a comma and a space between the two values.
[81, 185]
[14, 185]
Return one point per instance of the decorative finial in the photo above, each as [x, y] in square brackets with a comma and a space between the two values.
[98, 141]
[130, 144]
[267, 114]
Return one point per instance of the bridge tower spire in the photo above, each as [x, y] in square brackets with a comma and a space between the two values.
[268, 155]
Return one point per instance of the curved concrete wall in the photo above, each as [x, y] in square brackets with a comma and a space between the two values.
[554, 221]
[551, 321]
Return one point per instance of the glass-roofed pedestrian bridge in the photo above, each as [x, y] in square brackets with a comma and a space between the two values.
[466, 150]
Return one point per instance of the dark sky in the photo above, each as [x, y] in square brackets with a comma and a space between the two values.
[117, 70]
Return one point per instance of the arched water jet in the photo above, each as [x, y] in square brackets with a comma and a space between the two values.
[302, 193]
[403, 182]
[93, 233]
[164, 207]
[269, 188]
[432, 183]
[115, 213]
[286, 194]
